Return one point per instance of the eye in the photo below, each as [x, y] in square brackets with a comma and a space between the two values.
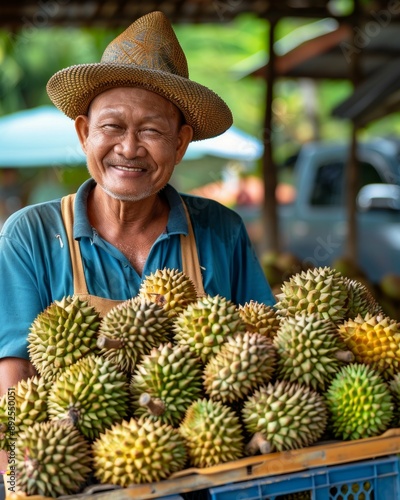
[112, 126]
[150, 131]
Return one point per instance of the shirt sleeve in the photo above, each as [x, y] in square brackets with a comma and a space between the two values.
[33, 271]
[19, 298]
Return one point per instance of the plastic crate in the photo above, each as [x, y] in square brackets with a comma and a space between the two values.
[377, 479]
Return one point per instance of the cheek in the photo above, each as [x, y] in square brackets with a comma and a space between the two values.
[97, 145]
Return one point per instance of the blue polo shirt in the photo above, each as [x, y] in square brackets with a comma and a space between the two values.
[35, 267]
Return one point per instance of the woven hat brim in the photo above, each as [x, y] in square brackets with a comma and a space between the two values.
[72, 89]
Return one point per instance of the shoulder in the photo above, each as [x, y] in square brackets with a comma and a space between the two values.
[211, 211]
[33, 219]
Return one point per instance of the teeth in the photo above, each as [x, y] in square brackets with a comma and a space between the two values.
[129, 169]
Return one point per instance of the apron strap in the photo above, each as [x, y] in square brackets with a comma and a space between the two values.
[67, 211]
[190, 259]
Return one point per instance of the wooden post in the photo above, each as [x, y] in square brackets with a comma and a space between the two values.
[352, 173]
[352, 176]
[270, 240]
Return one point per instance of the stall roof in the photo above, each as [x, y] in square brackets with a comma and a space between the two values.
[331, 54]
[114, 13]
[368, 55]
[376, 97]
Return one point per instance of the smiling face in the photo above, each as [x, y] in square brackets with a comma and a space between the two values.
[133, 139]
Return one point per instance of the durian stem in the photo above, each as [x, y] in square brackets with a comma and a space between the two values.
[70, 418]
[155, 406]
[258, 444]
[105, 342]
[31, 466]
[345, 356]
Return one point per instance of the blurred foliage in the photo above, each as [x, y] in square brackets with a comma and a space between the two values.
[30, 57]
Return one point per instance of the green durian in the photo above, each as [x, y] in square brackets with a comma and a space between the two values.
[130, 330]
[138, 451]
[245, 361]
[62, 334]
[284, 416]
[92, 394]
[206, 324]
[360, 403]
[52, 460]
[166, 382]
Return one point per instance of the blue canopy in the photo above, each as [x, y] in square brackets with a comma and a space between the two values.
[45, 137]
[39, 137]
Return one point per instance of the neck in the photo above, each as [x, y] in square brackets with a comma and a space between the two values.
[132, 227]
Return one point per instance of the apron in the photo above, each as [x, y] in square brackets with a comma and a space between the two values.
[190, 260]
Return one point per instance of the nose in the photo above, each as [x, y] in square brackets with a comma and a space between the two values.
[130, 146]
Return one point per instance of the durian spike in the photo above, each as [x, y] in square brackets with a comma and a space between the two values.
[105, 342]
[155, 406]
[345, 356]
[258, 444]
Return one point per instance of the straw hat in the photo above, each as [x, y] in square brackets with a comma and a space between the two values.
[146, 55]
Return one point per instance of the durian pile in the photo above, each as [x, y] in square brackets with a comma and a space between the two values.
[168, 380]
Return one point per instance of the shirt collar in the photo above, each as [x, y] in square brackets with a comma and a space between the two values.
[177, 223]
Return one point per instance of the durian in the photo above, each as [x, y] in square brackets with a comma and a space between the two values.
[245, 361]
[206, 324]
[299, 495]
[260, 318]
[375, 341]
[92, 394]
[166, 382]
[362, 490]
[4, 423]
[130, 330]
[62, 334]
[309, 350]
[51, 460]
[169, 288]
[285, 415]
[26, 403]
[321, 291]
[138, 451]
[359, 402]
[360, 300]
[212, 433]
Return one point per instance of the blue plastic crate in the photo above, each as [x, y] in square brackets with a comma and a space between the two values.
[377, 479]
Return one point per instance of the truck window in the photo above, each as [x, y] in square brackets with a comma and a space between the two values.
[329, 185]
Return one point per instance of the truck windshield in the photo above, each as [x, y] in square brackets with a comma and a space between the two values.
[330, 182]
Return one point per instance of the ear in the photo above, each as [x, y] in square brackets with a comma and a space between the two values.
[185, 135]
[82, 129]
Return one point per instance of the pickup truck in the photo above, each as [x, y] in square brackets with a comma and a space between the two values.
[313, 227]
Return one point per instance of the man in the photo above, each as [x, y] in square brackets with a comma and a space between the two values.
[135, 113]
